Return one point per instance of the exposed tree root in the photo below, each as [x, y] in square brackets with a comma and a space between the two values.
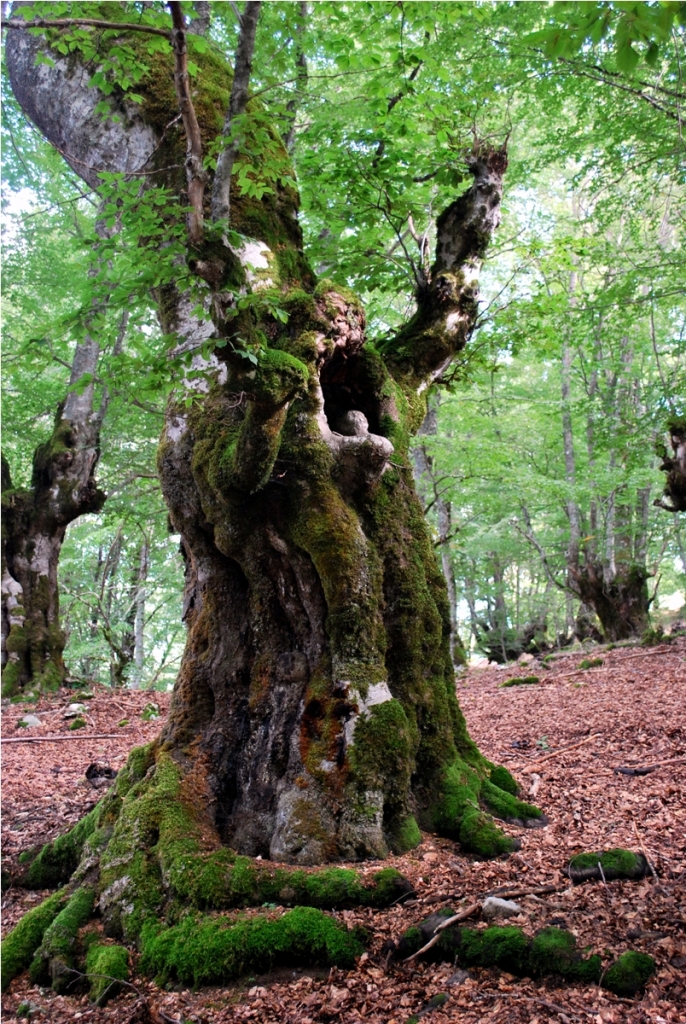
[551, 952]
[148, 860]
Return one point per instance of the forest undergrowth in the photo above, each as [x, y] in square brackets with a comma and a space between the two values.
[563, 738]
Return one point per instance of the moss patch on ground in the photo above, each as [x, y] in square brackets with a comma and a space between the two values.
[629, 973]
[22, 942]
[214, 950]
[520, 681]
[616, 863]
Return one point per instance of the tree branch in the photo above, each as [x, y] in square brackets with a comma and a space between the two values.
[301, 80]
[221, 188]
[529, 535]
[447, 293]
[119, 26]
[195, 172]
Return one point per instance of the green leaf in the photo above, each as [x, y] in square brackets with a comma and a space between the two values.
[627, 58]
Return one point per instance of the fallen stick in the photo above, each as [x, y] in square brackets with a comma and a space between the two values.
[539, 890]
[56, 739]
[647, 653]
[562, 750]
[441, 927]
[637, 769]
[572, 1012]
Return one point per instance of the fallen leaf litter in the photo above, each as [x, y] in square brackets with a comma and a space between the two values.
[566, 736]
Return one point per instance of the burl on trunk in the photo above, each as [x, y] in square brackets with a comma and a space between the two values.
[315, 717]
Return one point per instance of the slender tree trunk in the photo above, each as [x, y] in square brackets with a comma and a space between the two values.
[139, 630]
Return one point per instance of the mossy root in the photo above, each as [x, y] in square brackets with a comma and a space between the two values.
[57, 953]
[19, 946]
[107, 967]
[213, 950]
[459, 811]
[616, 863]
[56, 862]
[551, 952]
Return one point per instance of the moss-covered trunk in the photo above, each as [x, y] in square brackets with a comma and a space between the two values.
[315, 716]
[34, 523]
[621, 602]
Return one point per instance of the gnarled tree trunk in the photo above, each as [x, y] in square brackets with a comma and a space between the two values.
[314, 717]
[35, 521]
[674, 466]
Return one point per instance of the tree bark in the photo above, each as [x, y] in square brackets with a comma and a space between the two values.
[314, 717]
[425, 477]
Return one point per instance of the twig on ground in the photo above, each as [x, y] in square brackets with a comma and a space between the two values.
[562, 750]
[567, 1011]
[539, 890]
[56, 739]
[625, 769]
[441, 927]
[602, 874]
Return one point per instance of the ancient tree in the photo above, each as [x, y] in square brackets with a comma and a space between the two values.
[314, 717]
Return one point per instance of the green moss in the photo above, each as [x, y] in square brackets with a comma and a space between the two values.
[479, 835]
[78, 723]
[505, 806]
[458, 814]
[222, 879]
[616, 863]
[56, 954]
[11, 679]
[382, 755]
[654, 636]
[58, 860]
[137, 764]
[629, 974]
[591, 663]
[440, 999]
[154, 827]
[405, 835]
[505, 947]
[553, 951]
[107, 967]
[21, 943]
[215, 950]
[501, 778]
[520, 681]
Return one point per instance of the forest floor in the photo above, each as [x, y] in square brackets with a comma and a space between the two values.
[564, 736]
